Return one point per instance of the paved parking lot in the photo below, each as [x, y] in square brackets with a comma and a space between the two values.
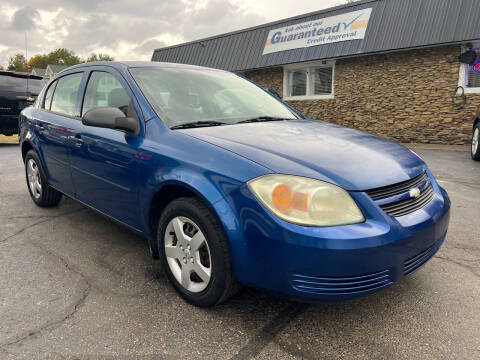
[74, 285]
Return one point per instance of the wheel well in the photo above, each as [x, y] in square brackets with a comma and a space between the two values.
[160, 200]
[26, 147]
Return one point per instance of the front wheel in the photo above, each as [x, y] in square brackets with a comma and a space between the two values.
[476, 143]
[194, 252]
[42, 194]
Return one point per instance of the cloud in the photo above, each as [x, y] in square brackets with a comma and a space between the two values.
[127, 29]
[149, 45]
[24, 19]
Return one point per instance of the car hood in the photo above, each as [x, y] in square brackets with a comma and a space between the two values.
[349, 158]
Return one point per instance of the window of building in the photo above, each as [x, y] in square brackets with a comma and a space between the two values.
[309, 81]
[65, 95]
[469, 79]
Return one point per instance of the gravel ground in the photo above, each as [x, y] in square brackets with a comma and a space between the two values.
[74, 285]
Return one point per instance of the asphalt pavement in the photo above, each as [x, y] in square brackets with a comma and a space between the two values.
[74, 285]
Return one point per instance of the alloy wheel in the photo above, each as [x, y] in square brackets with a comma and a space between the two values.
[188, 254]
[34, 181]
[475, 141]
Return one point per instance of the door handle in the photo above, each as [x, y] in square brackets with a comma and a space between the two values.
[77, 141]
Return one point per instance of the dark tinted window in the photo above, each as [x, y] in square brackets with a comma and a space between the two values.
[10, 83]
[65, 95]
[48, 96]
[105, 90]
[35, 86]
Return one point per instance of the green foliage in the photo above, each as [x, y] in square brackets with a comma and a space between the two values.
[17, 62]
[59, 56]
[99, 57]
[63, 56]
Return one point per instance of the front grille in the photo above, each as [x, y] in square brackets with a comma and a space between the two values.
[385, 191]
[406, 206]
[341, 285]
[418, 260]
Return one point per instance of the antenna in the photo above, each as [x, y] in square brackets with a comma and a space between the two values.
[26, 52]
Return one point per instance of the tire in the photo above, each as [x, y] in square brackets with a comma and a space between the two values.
[476, 143]
[42, 194]
[206, 270]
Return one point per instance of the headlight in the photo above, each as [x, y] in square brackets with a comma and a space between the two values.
[306, 201]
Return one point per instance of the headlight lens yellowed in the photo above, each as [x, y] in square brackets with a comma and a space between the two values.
[306, 201]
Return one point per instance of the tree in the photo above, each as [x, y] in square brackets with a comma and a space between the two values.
[63, 56]
[38, 61]
[99, 57]
[60, 56]
[17, 62]
[1, 68]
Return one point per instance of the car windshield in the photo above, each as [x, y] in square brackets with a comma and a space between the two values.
[207, 97]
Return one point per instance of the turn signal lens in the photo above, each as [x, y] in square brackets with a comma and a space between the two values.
[306, 201]
[285, 199]
[282, 197]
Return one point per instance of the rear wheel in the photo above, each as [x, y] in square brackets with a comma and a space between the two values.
[194, 252]
[476, 143]
[42, 194]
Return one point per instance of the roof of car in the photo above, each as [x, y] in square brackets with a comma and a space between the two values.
[121, 65]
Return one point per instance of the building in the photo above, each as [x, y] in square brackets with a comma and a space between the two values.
[52, 70]
[38, 72]
[390, 67]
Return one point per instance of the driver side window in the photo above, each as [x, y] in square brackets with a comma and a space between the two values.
[104, 90]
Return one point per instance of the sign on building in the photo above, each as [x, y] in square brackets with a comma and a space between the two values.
[344, 27]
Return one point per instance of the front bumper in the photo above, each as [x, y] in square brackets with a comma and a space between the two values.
[330, 263]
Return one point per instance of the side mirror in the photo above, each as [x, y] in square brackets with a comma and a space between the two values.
[111, 118]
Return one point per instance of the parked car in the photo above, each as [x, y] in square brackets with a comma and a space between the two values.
[476, 137]
[229, 184]
[17, 91]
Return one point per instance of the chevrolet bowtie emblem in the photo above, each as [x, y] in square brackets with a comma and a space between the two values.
[414, 193]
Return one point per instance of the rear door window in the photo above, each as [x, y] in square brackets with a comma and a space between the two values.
[65, 95]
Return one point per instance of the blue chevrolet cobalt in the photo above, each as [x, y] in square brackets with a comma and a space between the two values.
[230, 185]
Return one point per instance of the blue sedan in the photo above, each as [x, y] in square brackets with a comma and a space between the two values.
[230, 185]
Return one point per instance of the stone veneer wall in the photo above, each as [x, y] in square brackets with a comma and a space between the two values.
[404, 96]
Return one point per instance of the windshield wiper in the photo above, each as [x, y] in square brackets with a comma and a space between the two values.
[198, 124]
[261, 119]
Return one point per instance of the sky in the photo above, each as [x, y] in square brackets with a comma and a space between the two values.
[131, 29]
